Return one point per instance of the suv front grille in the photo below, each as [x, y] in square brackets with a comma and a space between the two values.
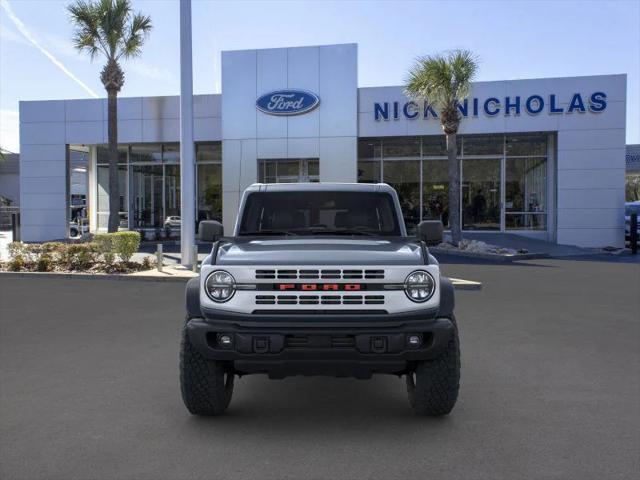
[324, 274]
[319, 299]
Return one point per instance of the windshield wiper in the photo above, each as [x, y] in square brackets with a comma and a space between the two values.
[268, 232]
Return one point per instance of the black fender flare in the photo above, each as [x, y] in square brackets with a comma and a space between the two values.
[192, 298]
[447, 298]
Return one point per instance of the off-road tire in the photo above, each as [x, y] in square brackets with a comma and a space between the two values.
[433, 386]
[206, 385]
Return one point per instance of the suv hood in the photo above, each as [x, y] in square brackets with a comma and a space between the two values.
[320, 251]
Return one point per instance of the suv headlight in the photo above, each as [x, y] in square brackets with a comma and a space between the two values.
[220, 286]
[419, 286]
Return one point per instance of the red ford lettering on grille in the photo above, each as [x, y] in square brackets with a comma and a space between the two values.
[326, 287]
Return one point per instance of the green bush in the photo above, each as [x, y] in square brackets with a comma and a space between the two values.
[50, 256]
[78, 256]
[28, 253]
[126, 244]
[148, 263]
[17, 249]
[105, 244]
[44, 263]
[51, 247]
[16, 263]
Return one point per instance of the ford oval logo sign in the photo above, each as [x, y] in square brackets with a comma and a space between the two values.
[287, 102]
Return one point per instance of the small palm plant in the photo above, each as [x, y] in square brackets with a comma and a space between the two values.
[112, 29]
[444, 81]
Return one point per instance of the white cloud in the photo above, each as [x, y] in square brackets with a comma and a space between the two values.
[9, 130]
[22, 28]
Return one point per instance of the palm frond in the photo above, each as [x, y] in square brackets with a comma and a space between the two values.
[442, 80]
[139, 28]
[85, 16]
[112, 25]
[109, 27]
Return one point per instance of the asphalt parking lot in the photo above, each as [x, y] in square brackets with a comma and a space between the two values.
[550, 389]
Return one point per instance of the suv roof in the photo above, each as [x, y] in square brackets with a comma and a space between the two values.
[323, 186]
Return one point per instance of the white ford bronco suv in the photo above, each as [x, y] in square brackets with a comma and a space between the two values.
[319, 279]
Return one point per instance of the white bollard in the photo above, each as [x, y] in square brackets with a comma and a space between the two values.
[159, 257]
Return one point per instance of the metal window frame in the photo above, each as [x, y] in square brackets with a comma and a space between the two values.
[503, 157]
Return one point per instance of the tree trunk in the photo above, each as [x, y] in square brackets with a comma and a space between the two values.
[114, 193]
[454, 189]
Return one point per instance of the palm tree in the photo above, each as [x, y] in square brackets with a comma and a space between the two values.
[444, 81]
[112, 29]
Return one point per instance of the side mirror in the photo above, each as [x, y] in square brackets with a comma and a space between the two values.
[430, 232]
[210, 231]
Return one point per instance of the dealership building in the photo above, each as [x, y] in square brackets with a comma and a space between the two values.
[543, 157]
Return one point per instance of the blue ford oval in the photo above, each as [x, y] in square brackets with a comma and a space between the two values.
[287, 102]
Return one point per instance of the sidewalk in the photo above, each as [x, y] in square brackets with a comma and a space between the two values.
[532, 245]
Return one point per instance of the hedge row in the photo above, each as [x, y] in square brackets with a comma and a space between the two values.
[45, 257]
[123, 244]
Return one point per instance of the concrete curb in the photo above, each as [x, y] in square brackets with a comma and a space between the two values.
[95, 276]
[496, 257]
[458, 283]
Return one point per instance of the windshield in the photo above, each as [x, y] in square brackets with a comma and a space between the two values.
[319, 213]
[633, 208]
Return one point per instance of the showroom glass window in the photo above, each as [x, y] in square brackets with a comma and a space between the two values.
[369, 160]
[503, 178]
[147, 186]
[526, 182]
[150, 185]
[480, 185]
[401, 170]
[78, 185]
[102, 191]
[209, 181]
[288, 170]
[435, 179]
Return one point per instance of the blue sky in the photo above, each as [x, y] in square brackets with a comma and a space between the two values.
[513, 40]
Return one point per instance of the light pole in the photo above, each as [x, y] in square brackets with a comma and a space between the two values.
[187, 147]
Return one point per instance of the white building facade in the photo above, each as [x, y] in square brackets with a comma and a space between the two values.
[543, 157]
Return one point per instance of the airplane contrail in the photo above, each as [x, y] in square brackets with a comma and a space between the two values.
[27, 34]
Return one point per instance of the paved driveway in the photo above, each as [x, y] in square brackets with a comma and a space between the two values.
[550, 389]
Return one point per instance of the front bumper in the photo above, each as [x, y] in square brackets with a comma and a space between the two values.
[316, 347]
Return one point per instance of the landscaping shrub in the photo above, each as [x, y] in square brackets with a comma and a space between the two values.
[105, 244]
[148, 263]
[44, 263]
[126, 244]
[17, 248]
[99, 255]
[78, 256]
[50, 247]
[16, 263]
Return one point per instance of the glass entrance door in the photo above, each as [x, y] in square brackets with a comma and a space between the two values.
[146, 192]
[481, 194]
